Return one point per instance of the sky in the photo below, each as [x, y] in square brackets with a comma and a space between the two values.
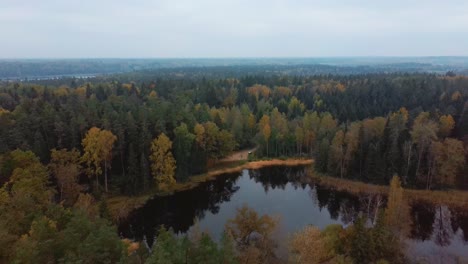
[232, 28]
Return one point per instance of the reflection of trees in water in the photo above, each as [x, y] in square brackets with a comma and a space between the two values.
[371, 203]
[443, 231]
[340, 205]
[277, 177]
[422, 215]
[179, 211]
[438, 223]
[460, 221]
[348, 212]
[320, 196]
[334, 204]
[427, 222]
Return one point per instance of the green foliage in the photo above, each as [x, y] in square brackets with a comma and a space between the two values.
[227, 253]
[35, 230]
[217, 143]
[26, 195]
[371, 244]
[183, 145]
[170, 249]
[449, 159]
[104, 209]
[331, 237]
[360, 242]
[40, 245]
[205, 251]
[79, 240]
[304, 113]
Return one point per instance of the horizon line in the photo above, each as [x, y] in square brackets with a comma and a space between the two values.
[240, 57]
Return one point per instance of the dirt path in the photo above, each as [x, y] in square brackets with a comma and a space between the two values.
[238, 155]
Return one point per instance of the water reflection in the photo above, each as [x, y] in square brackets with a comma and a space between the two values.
[438, 234]
[179, 211]
[341, 206]
[442, 226]
[438, 223]
[277, 177]
[423, 217]
[283, 191]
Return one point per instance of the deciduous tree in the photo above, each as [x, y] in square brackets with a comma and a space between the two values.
[446, 125]
[252, 233]
[97, 146]
[396, 213]
[163, 164]
[66, 168]
[449, 158]
[307, 246]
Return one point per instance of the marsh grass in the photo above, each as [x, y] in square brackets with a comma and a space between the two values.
[121, 206]
[453, 198]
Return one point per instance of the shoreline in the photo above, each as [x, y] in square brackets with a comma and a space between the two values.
[121, 206]
[454, 198]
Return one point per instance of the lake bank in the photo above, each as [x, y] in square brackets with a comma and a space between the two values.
[298, 200]
[121, 206]
[454, 198]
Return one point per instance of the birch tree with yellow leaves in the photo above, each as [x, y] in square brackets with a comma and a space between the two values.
[163, 164]
[97, 146]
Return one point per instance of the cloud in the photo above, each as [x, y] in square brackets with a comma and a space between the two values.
[232, 28]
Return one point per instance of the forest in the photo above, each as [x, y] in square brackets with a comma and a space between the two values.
[68, 145]
[38, 69]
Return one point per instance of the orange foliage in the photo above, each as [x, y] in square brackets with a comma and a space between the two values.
[259, 90]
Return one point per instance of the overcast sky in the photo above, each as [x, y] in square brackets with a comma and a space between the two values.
[243, 28]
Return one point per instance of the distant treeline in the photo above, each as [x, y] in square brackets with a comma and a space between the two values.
[32, 69]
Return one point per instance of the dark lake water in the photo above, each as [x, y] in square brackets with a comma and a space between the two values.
[438, 234]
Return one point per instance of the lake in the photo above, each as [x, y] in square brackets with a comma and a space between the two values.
[437, 234]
